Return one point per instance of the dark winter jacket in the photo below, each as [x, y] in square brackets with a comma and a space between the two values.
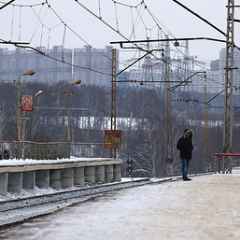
[185, 147]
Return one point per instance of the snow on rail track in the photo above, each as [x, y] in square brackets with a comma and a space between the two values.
[18, 210]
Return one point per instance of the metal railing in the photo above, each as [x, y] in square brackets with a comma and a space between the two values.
[51, 150]
[225, 162]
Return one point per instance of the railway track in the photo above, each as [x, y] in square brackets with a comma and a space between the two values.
[18, 210]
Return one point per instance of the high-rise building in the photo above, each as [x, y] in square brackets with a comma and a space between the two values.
[92, 66]
[236, 73]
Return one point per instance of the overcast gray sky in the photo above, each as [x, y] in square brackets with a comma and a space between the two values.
[181, 23]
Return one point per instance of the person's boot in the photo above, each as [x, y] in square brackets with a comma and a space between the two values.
[186, 179]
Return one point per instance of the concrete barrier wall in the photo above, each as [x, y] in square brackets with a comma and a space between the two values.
[15, 182]
[62, 175]
[42, 178]
[55, 179]
[3, 183]
[29, 180]
[79, 177]
[67, 178]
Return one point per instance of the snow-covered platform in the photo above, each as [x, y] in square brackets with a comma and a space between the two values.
[18, 175]
[205, 208]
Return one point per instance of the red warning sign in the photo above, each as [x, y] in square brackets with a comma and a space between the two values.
[27, 103]
[112, 138]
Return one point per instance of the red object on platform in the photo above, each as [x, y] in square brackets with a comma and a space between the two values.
[227, 154]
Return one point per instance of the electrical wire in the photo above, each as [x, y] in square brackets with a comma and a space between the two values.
[12, 22]
[200, 17]
[60, 60]
[127, 5]
[134, 25]
[26, 5]
[142, 3]
[116, 16]
[63, 41]
[99, 8]
[107, 24]
[67, 26]
[142, 20]
[20, 25]
[39, 19]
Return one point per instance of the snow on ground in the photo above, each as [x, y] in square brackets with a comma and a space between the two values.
[39, 192]
[28, 193]
[14, 162]
[205, 208]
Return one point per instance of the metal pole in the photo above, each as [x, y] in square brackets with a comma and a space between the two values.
[114, 97]
[114, 88]
[168, 119]
[67, 96]
[18, 116]
[205, 117]
[228, 111]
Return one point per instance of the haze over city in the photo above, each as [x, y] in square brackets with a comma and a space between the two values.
[26, 23]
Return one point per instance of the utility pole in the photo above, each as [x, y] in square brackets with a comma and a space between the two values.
[18, 118]
[205, 117]
[168, 109]
[228, 111]
[114, 97]
[147, 65]
[186, 63]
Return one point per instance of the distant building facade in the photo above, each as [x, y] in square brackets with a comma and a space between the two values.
[236, 72]
[90, 65]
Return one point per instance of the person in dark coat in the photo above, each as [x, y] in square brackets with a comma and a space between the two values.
[185, 146]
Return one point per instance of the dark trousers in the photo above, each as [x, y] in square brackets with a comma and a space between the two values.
[185, 166]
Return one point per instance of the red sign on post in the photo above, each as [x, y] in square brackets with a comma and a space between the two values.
[27, 103]
[112, 139]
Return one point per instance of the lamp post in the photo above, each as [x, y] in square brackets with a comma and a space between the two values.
[68, 131]
[20, 124]
[68, 92]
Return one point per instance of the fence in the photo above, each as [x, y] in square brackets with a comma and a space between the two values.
[51, 150]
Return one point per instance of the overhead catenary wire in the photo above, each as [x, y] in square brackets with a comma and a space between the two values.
[99, 8]
[26, 5]
[114, 29]
[199, 17]
[134, 24]
[163, 28]
[116, 16]
[39, 19]
[12, 22]
[38, 51]
[107, 24]
[6, 4]
[20, 25]
[117, 2]
[63, 41]
[67, 26]
[127, 5]
[44, 26]
[143, 22]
